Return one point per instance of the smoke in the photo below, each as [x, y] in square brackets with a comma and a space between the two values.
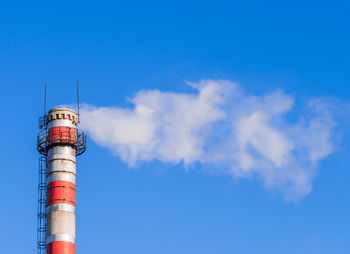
[220, 126]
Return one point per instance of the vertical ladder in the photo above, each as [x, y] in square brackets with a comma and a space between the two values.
[41, 233]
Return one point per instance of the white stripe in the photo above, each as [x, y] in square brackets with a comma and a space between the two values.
[62, 171]
[60, 238]
[62, 152]
[61, 122]
[61, 165]
[60, 157]
[60, 207]
[61, 177]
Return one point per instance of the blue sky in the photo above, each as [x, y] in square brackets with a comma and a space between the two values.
[116, 49]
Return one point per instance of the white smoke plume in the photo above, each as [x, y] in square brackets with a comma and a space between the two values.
[219, 125]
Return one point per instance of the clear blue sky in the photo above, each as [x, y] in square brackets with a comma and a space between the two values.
[117, 48]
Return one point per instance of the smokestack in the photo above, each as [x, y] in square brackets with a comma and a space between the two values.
[59, 142]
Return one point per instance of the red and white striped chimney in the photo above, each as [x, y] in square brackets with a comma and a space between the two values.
[62, 148]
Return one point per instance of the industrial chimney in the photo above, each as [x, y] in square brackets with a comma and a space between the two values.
[59, 141]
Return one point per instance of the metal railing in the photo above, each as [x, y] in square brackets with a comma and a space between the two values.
[44, 141]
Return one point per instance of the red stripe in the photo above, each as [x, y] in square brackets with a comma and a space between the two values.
[62, 134]
[61, 192]
[61, 248]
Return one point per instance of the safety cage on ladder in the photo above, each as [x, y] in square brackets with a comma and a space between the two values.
[41, 237]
